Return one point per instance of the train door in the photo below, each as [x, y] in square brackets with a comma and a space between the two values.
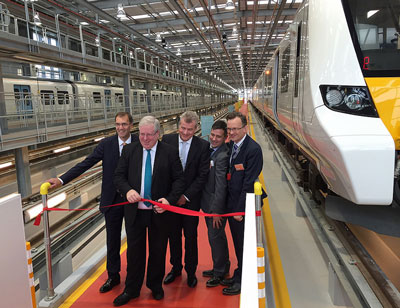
[107, 99]
[276, 88]
[23, 99]
[296, 91]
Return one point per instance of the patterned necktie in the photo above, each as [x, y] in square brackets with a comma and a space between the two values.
[147, 179]
[235, 152]
[183, 154]
[123, 144]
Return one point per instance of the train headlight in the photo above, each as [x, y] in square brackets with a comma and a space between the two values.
[353, 100]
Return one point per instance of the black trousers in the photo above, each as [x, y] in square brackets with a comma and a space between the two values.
[237, 230]
[187, 224]
[114, 217]
[156, 227]
[219, 247]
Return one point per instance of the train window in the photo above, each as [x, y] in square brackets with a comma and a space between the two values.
[62, 97]
[285, 70]
[97, 97]
[297, 73]
[47, 97]
[141, 98]
[119, 98]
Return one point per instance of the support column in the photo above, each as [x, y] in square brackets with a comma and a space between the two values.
[127, 87]
[23, 171]
[148, 93]
[3, 110]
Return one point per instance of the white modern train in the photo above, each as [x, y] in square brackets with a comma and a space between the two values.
[332, 88]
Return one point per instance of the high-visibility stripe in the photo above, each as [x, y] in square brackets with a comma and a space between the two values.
[30, 273]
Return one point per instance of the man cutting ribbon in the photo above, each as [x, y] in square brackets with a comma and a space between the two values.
[152, 170]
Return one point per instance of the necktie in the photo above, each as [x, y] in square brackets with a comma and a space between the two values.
[211, 152]
[183, 154]
[123, 144]
[147, 179]
[235, 152]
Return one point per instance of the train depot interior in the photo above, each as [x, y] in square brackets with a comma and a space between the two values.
[319, 84]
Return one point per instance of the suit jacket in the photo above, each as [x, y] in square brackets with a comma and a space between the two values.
[107, 151]
[242, 181]
[196, 169]
[167, 179]
[213, 199]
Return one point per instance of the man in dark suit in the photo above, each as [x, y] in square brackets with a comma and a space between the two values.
[152, 170]
[108, 151]
[213, 201]
[246, 163]
[194, 155]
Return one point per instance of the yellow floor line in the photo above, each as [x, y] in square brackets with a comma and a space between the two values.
[88, 282]
[281, 293]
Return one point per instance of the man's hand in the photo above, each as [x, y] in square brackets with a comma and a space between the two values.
[217, 222]
[132, 196]
[238, 218]
[158, 209]
[182, 200]
[54, 182]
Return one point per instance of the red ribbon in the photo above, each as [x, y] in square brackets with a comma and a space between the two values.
[171, 208]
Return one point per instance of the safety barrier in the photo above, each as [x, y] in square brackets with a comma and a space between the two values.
[30, 273]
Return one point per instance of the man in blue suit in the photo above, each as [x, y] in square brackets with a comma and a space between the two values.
[108, 151]
[245, 165]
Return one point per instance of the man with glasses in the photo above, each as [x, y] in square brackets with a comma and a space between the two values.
[152, 170]
[245, 165]
[108, 151]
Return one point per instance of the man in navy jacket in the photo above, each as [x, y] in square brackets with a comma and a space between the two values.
[108, 151]
[245, 165]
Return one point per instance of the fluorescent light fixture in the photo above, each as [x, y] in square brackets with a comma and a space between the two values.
[158, 38]
[371, 13]
[98, 139]
[51, 202]
[84, 23]
[97, 41]
[36, 20]
[229, 5]
[61, 149]
[199, 65]
[179, 52]
[5, 165]
[121, 12]
[191, 60]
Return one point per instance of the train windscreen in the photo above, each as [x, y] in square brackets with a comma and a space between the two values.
[375, 29]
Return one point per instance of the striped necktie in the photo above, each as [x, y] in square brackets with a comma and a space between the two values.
[147, 179]
[235, 152]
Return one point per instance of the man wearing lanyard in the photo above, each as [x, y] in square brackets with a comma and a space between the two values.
[108, 151]
[152, 170]
[245, 165]
[213, 201]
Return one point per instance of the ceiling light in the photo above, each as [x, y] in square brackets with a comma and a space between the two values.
[199, 65]
[97, 41]
[51, 202]
[61, 149]
[36, 20]
[179, 52]
[121, 12]
[5, 165]
[158, 38]
[238, 47]
[234, 31]
[206, 70]
[191, 60]
[230, 5]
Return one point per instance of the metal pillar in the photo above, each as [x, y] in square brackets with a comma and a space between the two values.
[127, 87]
[23, 171]
[148, 92]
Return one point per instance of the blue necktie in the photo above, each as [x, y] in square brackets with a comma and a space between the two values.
[147, 179]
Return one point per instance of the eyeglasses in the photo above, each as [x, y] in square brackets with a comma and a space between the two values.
[142, 135]
[122, 124]
[234, 129]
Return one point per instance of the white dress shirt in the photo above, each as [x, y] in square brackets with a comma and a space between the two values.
[121, 143]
